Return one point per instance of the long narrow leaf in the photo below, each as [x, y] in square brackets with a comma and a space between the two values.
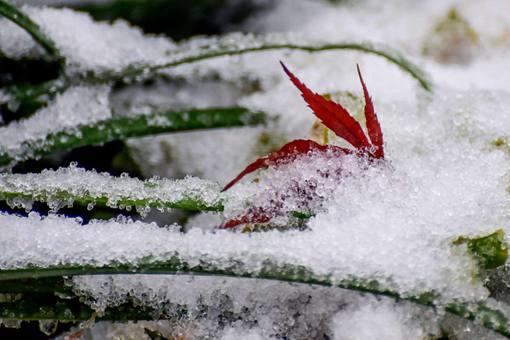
[199, 49]
[119, 128]
[236, 44]
[67, 186]
[22, 20]
[486, 313]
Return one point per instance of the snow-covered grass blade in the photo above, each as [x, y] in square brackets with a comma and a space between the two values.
[206, 48]
[68, 186]
[22, 20]
[121, 128]
[488, 313]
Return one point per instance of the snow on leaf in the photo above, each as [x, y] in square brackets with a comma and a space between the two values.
[66, 186]
[336, 118]
[287, 153]
[39, 136]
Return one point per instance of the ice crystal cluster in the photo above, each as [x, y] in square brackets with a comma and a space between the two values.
[389, 227]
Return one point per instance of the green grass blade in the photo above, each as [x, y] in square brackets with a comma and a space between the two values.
[228, 46]
[196, 50]
[22, 20]
[199, 49]
[68, 186]
[120, 128]
[483, 313]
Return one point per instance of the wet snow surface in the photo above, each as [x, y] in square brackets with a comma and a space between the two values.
[394, 221]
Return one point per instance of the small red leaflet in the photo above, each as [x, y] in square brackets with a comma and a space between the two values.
[337, 119]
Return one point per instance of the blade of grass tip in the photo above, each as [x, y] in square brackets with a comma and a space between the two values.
[479, 312]
[22, 20]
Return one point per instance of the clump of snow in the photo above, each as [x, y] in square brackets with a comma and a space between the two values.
[87, 45]
[379, 319]
[347, 240]
[238, 305]
[394, 223]
[207, 154]
[233, 334]
[76, 106]
[64, 186]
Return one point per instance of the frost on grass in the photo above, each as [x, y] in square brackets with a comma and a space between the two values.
[255, 309]
[214, 155]
[77, 106]
[393, 223]
[86, 44]
[65, 186]
[124, 51]
[347, 239]
[198, 303]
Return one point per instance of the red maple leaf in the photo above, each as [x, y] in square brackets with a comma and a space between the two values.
[337, 119]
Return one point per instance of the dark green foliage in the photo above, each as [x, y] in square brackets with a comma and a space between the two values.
[176, 18]
[491, 251]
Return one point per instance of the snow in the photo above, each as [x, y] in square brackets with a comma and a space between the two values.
[378, 319]
[175, 155]
[394, 221]
[60, 188]
[76, 106]
[86, 45]
[241, 305]
[327, 249]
